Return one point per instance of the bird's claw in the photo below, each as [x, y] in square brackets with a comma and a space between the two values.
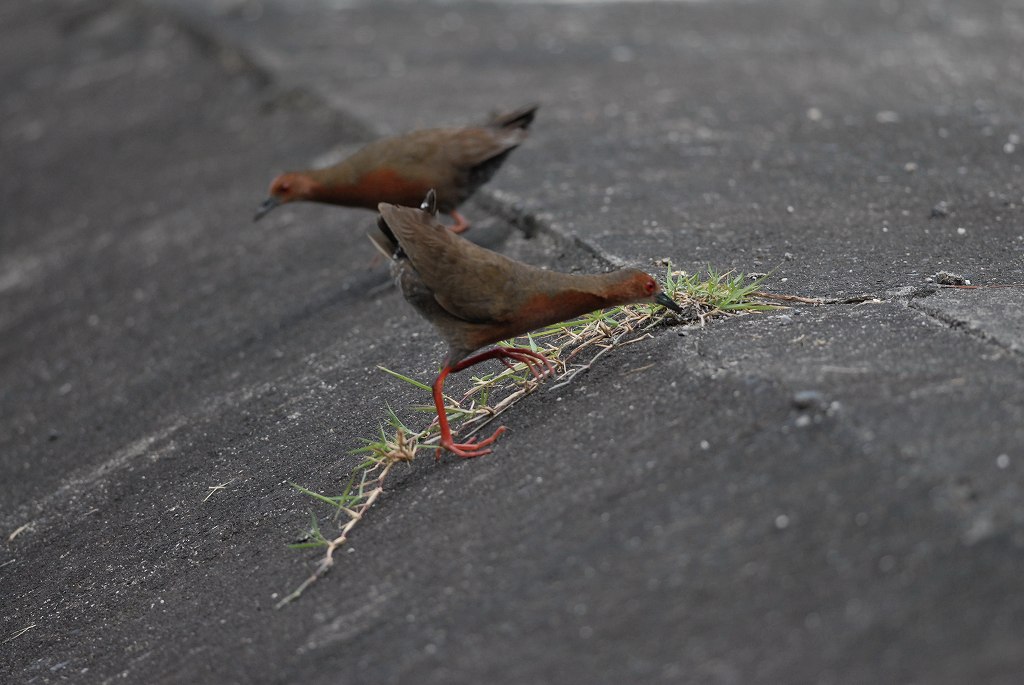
[538, 365]
[469, 449]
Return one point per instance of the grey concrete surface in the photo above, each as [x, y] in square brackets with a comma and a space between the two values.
[826, 494]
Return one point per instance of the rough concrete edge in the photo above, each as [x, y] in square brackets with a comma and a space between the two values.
[972, 328]
[514, 210]
[259, 66]
[914, 297]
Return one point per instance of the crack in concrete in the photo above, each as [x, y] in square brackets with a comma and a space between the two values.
[913, 297]
[974, 329]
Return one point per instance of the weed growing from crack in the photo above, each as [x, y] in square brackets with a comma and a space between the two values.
[702, 297]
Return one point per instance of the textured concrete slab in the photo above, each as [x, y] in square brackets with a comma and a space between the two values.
[827, 494]
[994, 314]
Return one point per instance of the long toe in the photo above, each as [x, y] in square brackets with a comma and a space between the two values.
[494, 436]
[471, 448]
[531, 365]
[528, 358]
[536, 359]
[549, 368]
[462, 450]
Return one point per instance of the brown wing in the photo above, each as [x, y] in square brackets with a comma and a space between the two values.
[472, 147]
[425, 154]
[468, 281]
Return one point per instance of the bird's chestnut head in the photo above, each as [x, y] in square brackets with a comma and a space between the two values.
[291, 186]
[640, 286]
[287, 187]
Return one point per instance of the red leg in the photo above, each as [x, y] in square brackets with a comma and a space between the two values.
[472, 448]
[466, 450]
[460, 222]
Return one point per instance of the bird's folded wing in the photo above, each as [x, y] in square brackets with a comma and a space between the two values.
[471, 283]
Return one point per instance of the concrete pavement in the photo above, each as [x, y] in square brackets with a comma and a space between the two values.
[826, 494]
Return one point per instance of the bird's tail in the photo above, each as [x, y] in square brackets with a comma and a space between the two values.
[520, 118]
[385, 240]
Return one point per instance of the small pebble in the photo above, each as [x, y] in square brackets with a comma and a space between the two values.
[949, 278]
[809, 399]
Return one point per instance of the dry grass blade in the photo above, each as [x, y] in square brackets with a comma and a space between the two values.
[372, 474]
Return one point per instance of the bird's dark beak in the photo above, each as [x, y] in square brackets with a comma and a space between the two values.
[265, 207]
[665, 301]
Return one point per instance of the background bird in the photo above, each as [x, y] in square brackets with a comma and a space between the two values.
[400, 170]
[475, 297]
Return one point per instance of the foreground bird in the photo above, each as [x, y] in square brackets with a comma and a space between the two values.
[476, 297]
[455, 162]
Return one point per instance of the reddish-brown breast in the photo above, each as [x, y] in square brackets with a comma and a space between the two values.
[378, 185]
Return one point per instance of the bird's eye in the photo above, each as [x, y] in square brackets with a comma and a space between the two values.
[285, 187]
[651, 286]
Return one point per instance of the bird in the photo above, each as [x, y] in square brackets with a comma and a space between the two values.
[400, 170]
[476, 297]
